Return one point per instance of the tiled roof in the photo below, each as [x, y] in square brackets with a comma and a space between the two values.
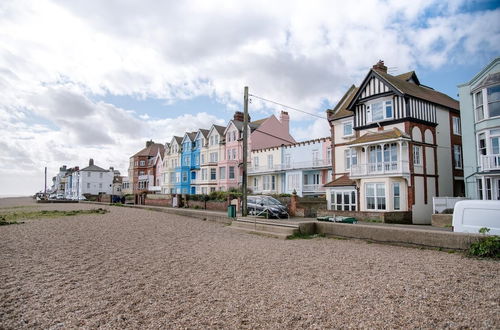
[178, 139]
[152, 150]
[204, 132]
[379, 136]
[220, 129]
[419, 91]
[340, 110]
[191, 135]
[343, 181]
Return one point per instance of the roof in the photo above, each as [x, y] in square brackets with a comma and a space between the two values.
[340, 110]
[491, 79]
[341, 182]
[418, 91]
[151, 150]
[480, 74]
[191, 135]
[178, 139]
[220, 129]
[253, 124]
[407, 76]
[94, 168]
[380, 136]
[204, 132]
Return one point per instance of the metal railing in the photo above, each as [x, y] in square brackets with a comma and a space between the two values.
[490, 162]
[313, 188]
[398, 167]
[315, 163]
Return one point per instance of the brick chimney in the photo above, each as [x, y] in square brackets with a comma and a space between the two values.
[238, 115]
[380, 66]
[91, 162]
[285, 120]
[148, 143]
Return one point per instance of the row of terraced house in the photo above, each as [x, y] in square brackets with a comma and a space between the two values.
[394, 145]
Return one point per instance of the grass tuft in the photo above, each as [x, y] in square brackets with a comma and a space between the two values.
[12, 217]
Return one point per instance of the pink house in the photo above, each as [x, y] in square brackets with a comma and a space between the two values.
[264, 133]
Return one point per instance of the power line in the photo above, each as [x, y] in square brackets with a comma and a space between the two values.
[286, 106]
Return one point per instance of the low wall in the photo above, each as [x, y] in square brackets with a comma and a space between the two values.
[404, 236]
[208, 205]
[158, 200]
[386, 217]
[442, 220]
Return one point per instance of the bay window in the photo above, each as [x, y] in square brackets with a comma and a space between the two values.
[478, 100]
[493, 96]
[343, 200]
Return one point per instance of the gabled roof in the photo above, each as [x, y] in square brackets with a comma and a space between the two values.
[491, 79]
[340, 110]
[219, 129]
[253, 124]
[409, 76]
[190, 135]
[93, 168]
[342, 181]
[401, 86]
[391, 134]
[151, 150]
[418, 91]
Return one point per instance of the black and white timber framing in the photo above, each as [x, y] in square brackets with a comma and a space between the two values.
[405, 107]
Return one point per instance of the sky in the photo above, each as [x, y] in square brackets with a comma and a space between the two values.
[96, 79]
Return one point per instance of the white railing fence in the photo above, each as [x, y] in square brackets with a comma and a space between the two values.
[439, 204]
[490, 162]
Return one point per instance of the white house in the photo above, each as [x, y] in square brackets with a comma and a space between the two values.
[92, 180]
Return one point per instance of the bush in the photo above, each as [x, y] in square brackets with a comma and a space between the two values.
[447, 211]
[488, 247]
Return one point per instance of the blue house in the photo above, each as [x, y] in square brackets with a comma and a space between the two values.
[480, 114]
[186, 163]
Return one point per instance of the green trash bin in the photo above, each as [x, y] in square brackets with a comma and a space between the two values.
[231, 211]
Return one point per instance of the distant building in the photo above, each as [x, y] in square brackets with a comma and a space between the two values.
[142, 168]
[480, 129]
[93, 180]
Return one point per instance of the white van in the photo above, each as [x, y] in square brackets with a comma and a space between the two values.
[471, 215]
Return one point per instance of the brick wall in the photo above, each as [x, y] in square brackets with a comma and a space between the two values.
[386, 217]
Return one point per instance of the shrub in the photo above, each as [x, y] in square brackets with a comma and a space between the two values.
[447, 211]
[488, 247]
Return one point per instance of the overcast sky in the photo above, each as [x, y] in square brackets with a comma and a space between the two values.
[81, 79]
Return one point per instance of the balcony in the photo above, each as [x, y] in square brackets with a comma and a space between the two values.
[154, 188]
[315, 163]
[264, 169]
[312, 188]
[382, 168]
[490, 162]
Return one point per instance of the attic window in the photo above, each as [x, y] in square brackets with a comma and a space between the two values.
[379, 111]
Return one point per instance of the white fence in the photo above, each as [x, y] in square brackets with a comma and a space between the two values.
[439, 204]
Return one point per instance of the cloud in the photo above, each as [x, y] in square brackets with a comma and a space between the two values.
[59, 59]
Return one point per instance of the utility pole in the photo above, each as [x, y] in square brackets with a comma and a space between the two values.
[244, 209]
[45, 186]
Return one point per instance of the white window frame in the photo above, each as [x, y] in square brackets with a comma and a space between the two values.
[270, 161]
[233, 176]
[457, 156]
[457, 128]
[350, 155]
[417, 155]
[385, 104]
[222, 173]
[343, 206]
[346, 124]
[396, 196]
[375, 196]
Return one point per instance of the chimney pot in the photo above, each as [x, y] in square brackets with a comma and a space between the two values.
[91, 162]
[239, 116]
[380, 66]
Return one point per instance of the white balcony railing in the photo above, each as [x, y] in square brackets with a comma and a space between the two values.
[313, 188]
[154, 188]
[315, 163]
[490, 162]
[380, 168]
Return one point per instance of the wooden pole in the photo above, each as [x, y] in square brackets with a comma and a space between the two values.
[244, 209]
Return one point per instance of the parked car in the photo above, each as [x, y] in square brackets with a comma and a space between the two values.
[472, 215]
[266, 205]
[60, 196]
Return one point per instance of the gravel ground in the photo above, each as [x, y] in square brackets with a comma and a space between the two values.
[133, 268]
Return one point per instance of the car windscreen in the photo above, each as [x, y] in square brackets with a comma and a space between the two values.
[271, 201]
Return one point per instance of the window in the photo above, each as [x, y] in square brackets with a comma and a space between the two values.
[270, 161]
[234, 135]
[222, 173]
[269, 182]
[315, 157]
[457, 156]
[193, 175]
[184, 177]
[417, 151]
[375, 196]
[256, 162]
[197, 159]
[457, 130]
[493, 96]
[480, 188]
[229, 154]
[214, 157]
[204, 174]
[88, 185]
[287, 161]
[177, 177]
[495, 141]
[100, 175]
[478, 100]
[203, 158]
[256, 183]
[234, 153]
[213, 174]
[396, 195]
[351, 158]
[348, 128]
[379, 111]
[142, 163]
[100, 185]
[488, 188]
[342, 200]
[329, 155]
[481, 144]
[231, 172]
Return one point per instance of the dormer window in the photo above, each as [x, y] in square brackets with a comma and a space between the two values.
[379, 111]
